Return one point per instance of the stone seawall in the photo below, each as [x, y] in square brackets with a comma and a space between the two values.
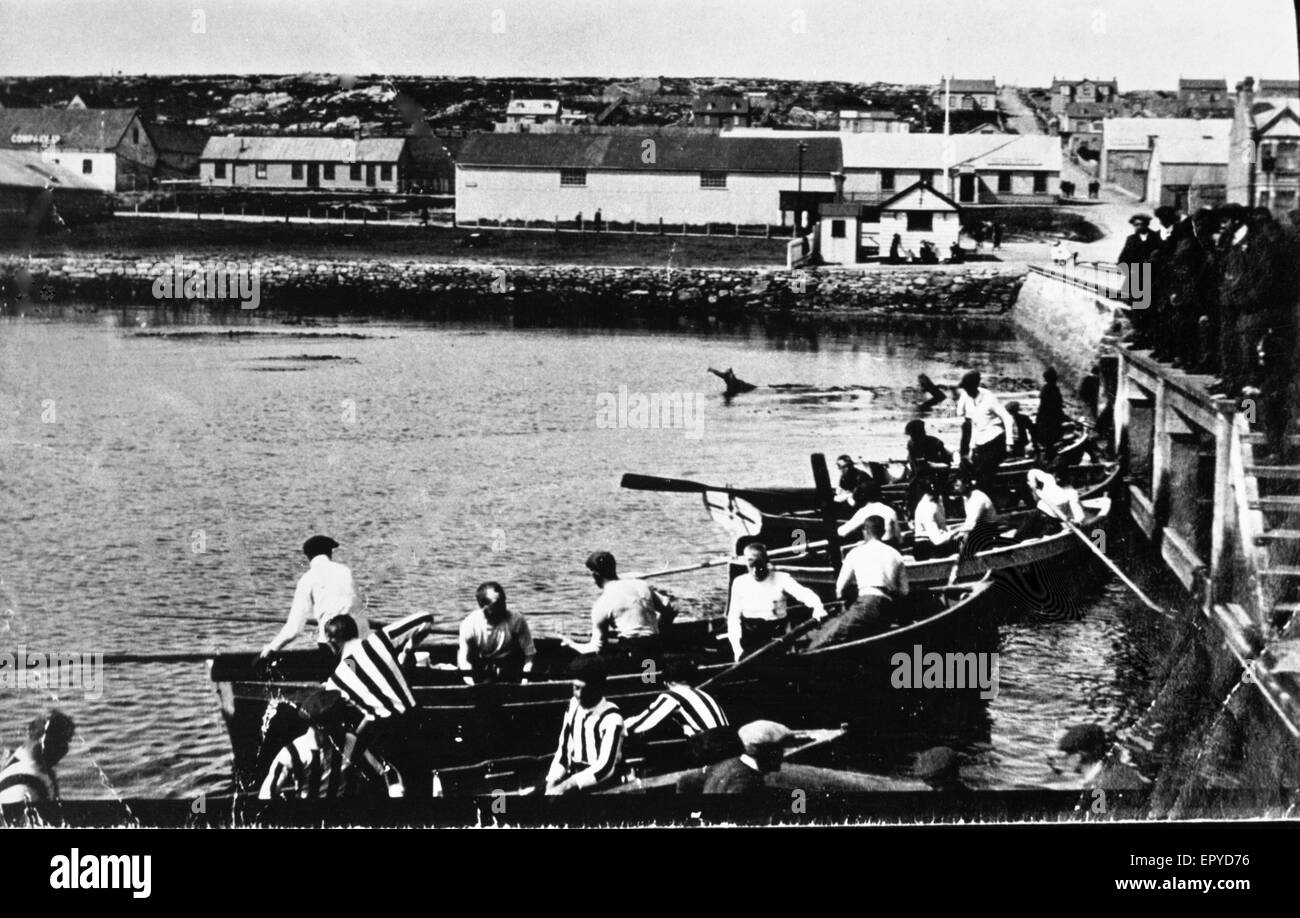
[419, 289]
[1067, 321]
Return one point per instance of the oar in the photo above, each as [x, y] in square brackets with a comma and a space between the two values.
[718, 562]
[654, 483]
[163, 657]
[1092, 546]
[767, 648]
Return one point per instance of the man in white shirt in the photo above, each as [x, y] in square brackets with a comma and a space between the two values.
[987, 427]
[930, 525]
[495, 644]
[756, 613]
[325, 591]
[630, 609]
[1055, 501]
[866, 501]
[871, 582]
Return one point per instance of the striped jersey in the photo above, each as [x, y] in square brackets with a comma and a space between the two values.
[23, 781]
[310, 769]
[369, 673]
[591, 744]
[694, 710]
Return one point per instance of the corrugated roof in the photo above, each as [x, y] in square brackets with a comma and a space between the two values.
[1057, 84]
[77, 128]
[676, 152]
[872, 114]
[23, 169]
[1220, 85]
[305, 149]
[1278, 87]
[1131, 133]
[929, 151]
[971, 85]
[532, 107]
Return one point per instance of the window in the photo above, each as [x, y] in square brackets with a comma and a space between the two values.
[920, 221]
[219, 170]
[1004, 183]
[1040, 183]
[354, 172]
[927, 176]
[259, 170]
[386, 173]
[87, 167]
[574, 177]
[135, 135]
[295, 172]
[837, 229]
[713, 180]
[1263, 199]
[886, 179]
[327, 171]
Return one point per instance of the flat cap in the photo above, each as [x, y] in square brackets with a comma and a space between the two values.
[762, 734]
[318, 545]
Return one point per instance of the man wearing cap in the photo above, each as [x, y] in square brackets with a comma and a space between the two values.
[1135, 259]
[629, 608]
[764, 743]
[323, 763]
[756, 612]
[27, 776]
[326, 590]
[986, 427]
[591, 741]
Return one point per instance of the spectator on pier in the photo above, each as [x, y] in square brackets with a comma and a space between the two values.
[325, 591]
[1024, 434]
[764, 744]
[27, 778]
[590, 751]
[629, 608]
[756, 613]
[867, 503]
[987, 426]
[871, 583]
[495, 644]
[930, 524]
[1250, 288]
[1051, 415]
[1183, 295]
[1135, 262]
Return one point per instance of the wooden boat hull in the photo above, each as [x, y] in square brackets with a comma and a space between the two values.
[457, 724]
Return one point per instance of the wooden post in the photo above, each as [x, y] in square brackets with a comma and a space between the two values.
[633, 226]
[661, 226]
[1225, 509]
[737, 226]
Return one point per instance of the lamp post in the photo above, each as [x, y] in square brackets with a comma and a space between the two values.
[798, 212]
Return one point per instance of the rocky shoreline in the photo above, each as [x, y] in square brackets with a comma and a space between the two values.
[420, 289]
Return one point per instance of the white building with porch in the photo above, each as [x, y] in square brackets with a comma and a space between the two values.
[850, 232]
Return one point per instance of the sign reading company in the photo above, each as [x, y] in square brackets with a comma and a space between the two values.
[19, 139]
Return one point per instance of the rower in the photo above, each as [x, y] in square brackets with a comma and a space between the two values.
[495, 644]
[923, 449]
[756, 613]
[322, 763]
[326, 590]
[866, 500]
[1023, 437]
[694, 710]
[980, 528]
[987, 426]
[764, 743]
[630, 608]
[850, 477]
[27, 778]
[879, 579]
[590, 750]
[930, 525]
[1055, 501]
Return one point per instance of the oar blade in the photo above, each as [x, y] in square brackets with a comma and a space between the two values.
[636, 482]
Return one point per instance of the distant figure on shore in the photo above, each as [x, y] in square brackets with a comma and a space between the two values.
[895, 249]
[997, 236]
[735, 385]
[598, 221]
[955, 254]
[929, 254]
[1094, 187]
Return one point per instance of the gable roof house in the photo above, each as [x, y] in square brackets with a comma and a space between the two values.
[306, 163]
[34, 190]
[1264, 166]
[110, 146]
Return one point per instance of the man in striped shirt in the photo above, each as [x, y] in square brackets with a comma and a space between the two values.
[591, 740]
[27, 778]
[323, 763]
[369, 672]
[694, 710]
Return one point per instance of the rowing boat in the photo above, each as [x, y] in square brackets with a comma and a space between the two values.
[457, 724]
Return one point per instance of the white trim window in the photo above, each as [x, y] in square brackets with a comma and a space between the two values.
[259, 170]
[713, 180]
[573, 178]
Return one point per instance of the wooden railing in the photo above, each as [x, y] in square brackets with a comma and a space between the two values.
[1101, 278]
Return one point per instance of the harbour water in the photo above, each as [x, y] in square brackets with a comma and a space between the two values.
[158, 474]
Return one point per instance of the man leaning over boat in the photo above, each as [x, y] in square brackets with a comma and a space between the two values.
[494, 643]
[626, 607]
[326, 590]
[756, 614]
[871, 583]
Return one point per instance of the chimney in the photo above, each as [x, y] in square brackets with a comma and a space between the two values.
[838, 178]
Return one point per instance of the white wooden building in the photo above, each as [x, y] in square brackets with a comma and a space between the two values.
[850, 232]
[678, 178]
[306, 163]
